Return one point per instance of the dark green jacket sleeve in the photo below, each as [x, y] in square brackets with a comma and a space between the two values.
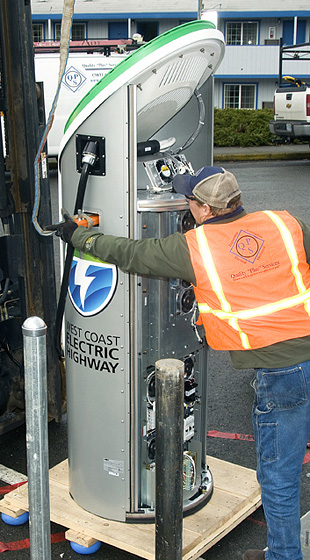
[306, 237]
[167, 257]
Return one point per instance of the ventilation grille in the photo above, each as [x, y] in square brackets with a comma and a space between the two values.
[178, 97]
[187, 69]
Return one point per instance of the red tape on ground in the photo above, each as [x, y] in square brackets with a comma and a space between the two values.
[227, 435]
[16, 545]
[244, 437]
[23, 544]
[20, 545]
[252, 520]
[7, 489]
[306, 459]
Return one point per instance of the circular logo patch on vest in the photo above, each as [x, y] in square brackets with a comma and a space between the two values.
[247, 246]
[92, 285]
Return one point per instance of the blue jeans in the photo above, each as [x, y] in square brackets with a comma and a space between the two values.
[281, 420]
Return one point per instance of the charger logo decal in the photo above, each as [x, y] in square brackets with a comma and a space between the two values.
[92, 285]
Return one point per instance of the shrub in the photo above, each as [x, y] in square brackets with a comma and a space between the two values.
[242, 127]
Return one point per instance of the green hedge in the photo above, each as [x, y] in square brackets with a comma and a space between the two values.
[242, 127]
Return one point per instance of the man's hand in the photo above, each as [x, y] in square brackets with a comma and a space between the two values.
[65, 228]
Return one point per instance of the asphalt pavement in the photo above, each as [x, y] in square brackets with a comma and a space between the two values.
[229, 417]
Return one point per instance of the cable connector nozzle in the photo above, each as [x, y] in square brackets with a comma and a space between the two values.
[89, 154]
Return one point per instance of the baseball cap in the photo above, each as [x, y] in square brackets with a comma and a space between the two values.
[210, 185]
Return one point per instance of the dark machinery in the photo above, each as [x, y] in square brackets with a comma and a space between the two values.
[27, 278]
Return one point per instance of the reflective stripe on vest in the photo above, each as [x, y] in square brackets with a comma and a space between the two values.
[217, 288]
[303, 296]
[291, 251]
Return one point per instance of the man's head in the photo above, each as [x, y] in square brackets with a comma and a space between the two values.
[213, 189]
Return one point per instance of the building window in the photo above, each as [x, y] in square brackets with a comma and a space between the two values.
[239, 96]
[241, 33]
[37, 32]
[78, 31]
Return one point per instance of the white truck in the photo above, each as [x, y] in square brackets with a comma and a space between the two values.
[292, 98]
[84, 69]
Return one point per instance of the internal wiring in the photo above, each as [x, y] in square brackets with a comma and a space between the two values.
[5, 291]
[150, 400]
[194, 319]
[189, 480]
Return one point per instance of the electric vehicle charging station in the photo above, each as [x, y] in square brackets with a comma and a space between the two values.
[118, 325]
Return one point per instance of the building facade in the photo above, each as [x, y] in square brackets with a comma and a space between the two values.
[98, 19]
[248, 75]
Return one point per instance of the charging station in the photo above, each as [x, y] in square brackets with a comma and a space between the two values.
[149, 118]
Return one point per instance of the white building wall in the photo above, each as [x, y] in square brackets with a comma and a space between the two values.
[257, 64]
[99, 29]
[263, 5]
[250, 61]
[264, 25]
[265, 90]
[111, 7]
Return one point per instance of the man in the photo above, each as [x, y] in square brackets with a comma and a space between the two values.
[251, 278]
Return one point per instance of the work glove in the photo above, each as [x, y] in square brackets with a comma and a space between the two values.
[65, 228]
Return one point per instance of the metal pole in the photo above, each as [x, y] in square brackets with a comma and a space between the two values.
[134, 393]
[209, 118]
[34, 335]
[280, 61]
[169, 458]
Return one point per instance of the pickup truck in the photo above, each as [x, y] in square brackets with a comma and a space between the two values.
[291, 102]
[292, 111]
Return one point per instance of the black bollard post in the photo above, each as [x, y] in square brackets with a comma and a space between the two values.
[169, 458]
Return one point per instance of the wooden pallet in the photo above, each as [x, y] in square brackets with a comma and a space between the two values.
[236, 495]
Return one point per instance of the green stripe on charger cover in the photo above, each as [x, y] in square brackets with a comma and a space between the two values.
[136, 56]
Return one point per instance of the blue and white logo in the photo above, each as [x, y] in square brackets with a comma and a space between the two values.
[92, 285]
[73, 79]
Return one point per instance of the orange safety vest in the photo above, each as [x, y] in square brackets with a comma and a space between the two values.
[253, 280]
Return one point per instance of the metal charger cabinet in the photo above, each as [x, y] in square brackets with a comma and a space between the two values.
[118, 325]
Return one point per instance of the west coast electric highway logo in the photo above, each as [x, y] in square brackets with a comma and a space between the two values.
[92, 285]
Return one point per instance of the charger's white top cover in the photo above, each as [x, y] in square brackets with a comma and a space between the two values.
[166, 71]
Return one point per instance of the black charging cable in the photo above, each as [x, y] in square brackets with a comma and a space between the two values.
[89, 158]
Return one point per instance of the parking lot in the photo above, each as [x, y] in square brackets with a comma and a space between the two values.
[265, 185]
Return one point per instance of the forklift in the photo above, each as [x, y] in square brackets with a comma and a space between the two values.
[27, 269]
